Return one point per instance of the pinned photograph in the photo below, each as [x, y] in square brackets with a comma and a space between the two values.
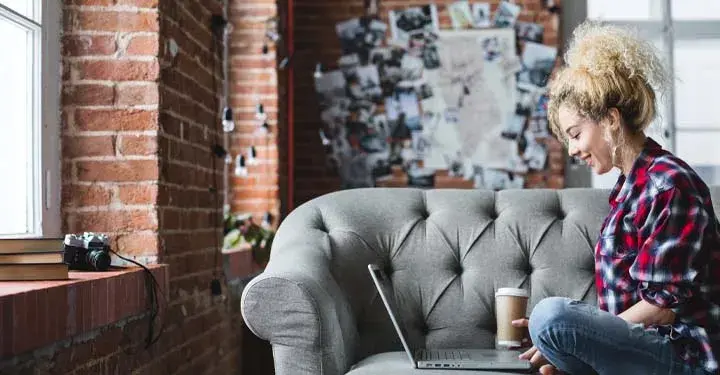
[460, 15]
[538, 126]
[492, 48]
[514, 127]
[388, 61]
[403, 23]
[535, 154]
[506, 14]
[425, 91]
[348, 64]
[410, 108]
[481, 15]
[366, 84]
[525, 101]
[495, 179]
[538, 61]
[334, 118]
[411, 68]
[378, 124]
[360, 35]
[329, 86]
[540, 109]
[528, 31]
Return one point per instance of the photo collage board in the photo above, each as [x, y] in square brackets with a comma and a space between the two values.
[469, 100]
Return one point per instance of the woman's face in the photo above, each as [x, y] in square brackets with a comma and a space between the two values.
[585, 140]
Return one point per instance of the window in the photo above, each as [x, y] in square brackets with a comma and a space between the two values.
[692, 46]
[29, 127]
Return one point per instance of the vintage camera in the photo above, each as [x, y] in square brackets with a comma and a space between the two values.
[87, 252]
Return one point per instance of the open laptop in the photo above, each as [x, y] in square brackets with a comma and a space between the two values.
[460, 359]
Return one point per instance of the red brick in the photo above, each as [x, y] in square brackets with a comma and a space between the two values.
[90, 2]
[93, 20]
[120, 170]
[139, 3]
[88, 45]
[118, 70]
[143, 45]
[138, 145]
[76, 146]
[88, 94]
[132, 94]
[137, 243]
[84, 195]
[93, 120]
[138, 194]
[116, 221]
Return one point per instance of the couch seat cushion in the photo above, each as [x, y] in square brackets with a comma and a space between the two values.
[397, 363]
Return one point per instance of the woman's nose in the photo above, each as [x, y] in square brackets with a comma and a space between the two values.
[572, 150]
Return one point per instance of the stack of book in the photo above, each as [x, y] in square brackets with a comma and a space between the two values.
[32, 259]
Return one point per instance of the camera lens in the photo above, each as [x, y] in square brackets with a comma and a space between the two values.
[99, 260]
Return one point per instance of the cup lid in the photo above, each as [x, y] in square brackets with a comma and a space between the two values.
[517, 292]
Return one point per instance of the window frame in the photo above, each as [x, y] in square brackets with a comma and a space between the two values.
[662, 26]
[46, 211]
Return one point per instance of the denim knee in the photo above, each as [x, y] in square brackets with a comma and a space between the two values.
[547, 314]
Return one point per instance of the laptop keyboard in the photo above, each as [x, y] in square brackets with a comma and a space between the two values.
[438, 355]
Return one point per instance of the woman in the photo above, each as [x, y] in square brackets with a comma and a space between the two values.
[657, 261]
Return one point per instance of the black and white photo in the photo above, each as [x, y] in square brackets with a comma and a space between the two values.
[528, 31]
[360, 36]
[538, 61]
[414, 20]
[461, 15]
[481, 15]
[506, 14]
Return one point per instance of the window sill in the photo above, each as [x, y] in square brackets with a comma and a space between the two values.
[34, 314]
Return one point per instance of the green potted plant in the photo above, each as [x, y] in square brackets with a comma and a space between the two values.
[241, 230]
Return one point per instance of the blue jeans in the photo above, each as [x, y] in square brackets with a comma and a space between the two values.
[579, 338]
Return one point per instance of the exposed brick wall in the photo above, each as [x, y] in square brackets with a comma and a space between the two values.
[316, 41]
[110, 122]
[138, 127]
[255, 81]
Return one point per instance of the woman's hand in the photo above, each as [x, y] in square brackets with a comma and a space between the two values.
[533, 354]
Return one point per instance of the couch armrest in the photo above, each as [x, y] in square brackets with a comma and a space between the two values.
[297, 305]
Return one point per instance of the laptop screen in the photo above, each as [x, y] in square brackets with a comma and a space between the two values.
[384, 288]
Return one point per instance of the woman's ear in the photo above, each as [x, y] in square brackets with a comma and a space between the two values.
[613, 120]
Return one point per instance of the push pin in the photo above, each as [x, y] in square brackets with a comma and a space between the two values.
[252, 156]
[228, 123]
[260, 112]
[240, 168]
[267, 220]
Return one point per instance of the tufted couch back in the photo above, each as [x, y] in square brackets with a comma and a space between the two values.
[447, 252]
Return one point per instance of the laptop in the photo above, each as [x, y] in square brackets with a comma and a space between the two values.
[447, 359]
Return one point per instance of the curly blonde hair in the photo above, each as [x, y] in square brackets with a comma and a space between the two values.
[608, 67]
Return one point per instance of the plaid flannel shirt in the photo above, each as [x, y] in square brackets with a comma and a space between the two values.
[661, 243]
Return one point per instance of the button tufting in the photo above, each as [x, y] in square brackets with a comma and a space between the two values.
[424, 329]
[388, 270]
[321, 226]
[425, 214]
[459, 269]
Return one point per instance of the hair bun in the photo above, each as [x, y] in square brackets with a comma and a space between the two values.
[601, 49]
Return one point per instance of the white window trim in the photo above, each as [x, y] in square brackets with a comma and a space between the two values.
[51, 159]
[46, 215]
[672, 31]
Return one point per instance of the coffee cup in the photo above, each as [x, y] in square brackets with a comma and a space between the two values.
[510, 304]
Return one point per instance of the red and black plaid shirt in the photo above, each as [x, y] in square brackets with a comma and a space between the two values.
[661, 243]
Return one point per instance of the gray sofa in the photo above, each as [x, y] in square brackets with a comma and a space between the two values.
[446, 251]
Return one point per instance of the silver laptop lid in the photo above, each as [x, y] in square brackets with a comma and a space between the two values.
[384, 288]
